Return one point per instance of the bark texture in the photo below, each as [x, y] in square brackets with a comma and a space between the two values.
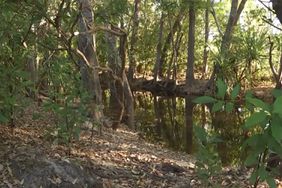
[165, 48]
[116, 84]
[89, 61]
[277, 7]
[134, 38]
[159, 48]
[191, 47]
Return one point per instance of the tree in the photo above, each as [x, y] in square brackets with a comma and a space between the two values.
[207, 31]
[277, 7]
[168, 40]
[159, 48]
[89, 62]
[134, 38]
[234, 15]
[191, 46]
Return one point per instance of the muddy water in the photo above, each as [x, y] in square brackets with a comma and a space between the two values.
[172, 120]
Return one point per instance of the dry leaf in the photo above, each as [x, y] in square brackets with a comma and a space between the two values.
[74, 181]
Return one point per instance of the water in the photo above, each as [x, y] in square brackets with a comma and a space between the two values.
[171, 121]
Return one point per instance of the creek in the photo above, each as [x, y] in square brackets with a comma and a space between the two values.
[171, 121]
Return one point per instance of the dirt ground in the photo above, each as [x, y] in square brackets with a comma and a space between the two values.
[122, 158]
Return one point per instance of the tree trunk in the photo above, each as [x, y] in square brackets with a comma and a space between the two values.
[134, 38]
[191, 47]
[116, 84]
[159, 48]
[234, 16]
[277, 7]
[129, 103]
[168, 41]
[207, 32]
[87, 47]
[175, 44]
[32, 69]
[229, 28]
[122, 46]
[128, 96]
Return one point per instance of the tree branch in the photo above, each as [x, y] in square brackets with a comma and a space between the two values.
[274, 72]
[266, 6]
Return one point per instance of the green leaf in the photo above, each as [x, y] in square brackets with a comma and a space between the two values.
[276, 128]
[254, 176]
[271, 182]
[276, 93]
[251, 160]
[204, 100]
[222, 88]
[256, 141]
[201, 133]
[235, 92]
[3, 118]
[258, 103]
[217, 106]
[249, 94]
[229, 107]
[255, 119]
[277, 106]
[262, 173]
[274, 145]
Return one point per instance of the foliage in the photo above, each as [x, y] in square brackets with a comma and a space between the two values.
[69, 119]
[13, 76]
[43, 32]
[208, 163]
[219, 102]
[264, 124]
[68, 101]
[11, 94]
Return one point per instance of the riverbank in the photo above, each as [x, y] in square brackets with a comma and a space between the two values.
[122, 158]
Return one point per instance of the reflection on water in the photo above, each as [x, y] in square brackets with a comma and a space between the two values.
[171, 121]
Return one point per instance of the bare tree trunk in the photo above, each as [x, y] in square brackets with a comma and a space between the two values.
[87, 47]
[134, 38]
[129, 103]
[168, 41]
[277, 7]
[122, 46]
[128, 96]
[207, 32]
[229, 28]
[191, 47]
[277, 74]
[32, 68]
[116, 84]
[234, 16]
[174, 56]
[159, 48]
[177, 47]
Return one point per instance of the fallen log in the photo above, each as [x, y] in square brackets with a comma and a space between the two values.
[170, 87]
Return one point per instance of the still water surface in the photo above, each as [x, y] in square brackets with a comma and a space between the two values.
[171, 121]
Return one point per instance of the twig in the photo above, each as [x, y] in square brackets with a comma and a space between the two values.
[103, 28]
[274, 72]
[266, 6]
[267, 21]
[216, 21]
